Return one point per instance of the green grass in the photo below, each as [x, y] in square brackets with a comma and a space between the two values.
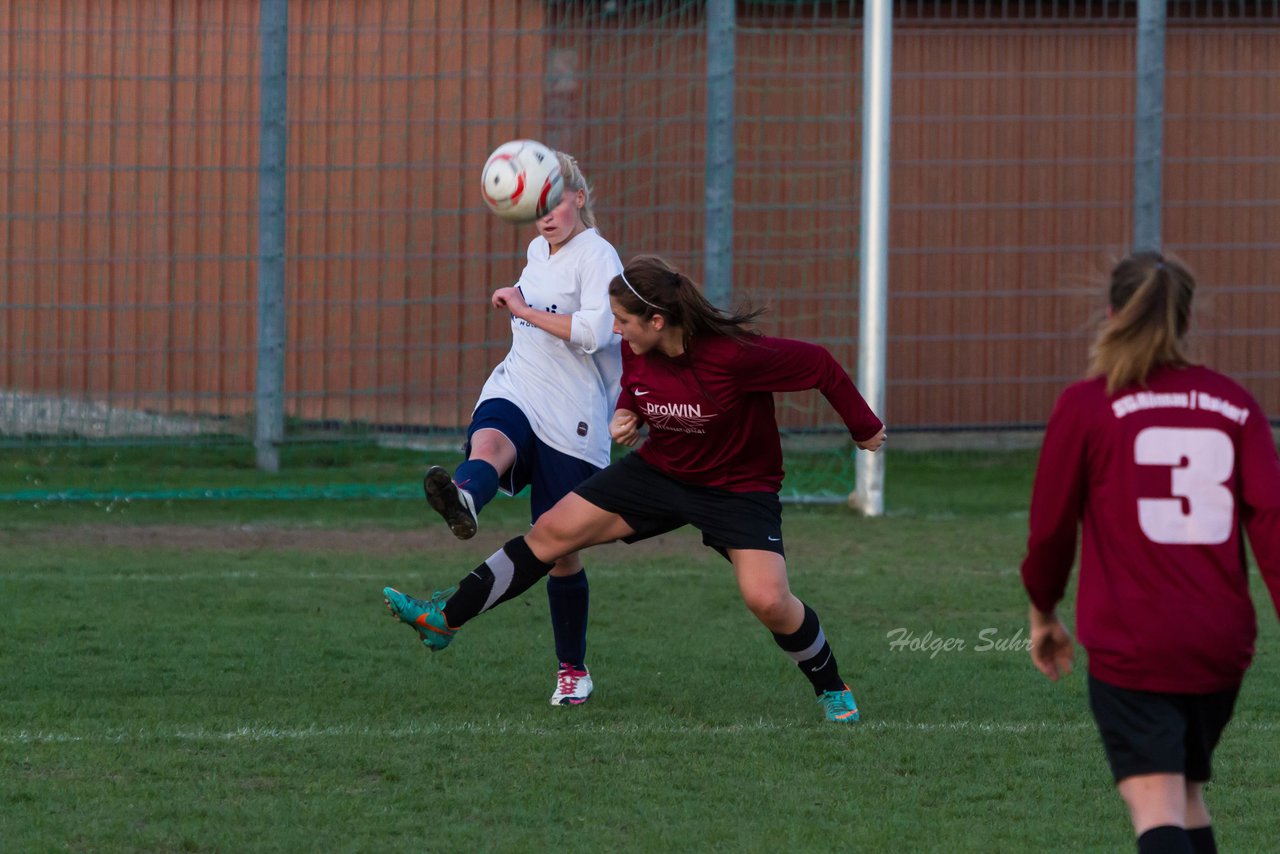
[222, 676]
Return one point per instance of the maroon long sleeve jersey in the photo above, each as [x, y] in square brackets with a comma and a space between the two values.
[710, 410]
[1165, 481]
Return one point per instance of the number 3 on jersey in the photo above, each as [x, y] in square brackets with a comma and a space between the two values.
[1201, 461]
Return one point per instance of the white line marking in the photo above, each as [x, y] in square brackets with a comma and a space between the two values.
[166, 578]
[261, 732]
[379, 578]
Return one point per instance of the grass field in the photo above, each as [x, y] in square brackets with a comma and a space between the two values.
[222, 676]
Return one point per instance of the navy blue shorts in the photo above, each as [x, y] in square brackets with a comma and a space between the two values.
[654, 503]
[1147, 732]
[549, 474]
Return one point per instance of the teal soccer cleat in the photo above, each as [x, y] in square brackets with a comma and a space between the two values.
[426, 616]
[840, 706]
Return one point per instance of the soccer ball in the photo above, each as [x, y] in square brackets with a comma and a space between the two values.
[521, 181]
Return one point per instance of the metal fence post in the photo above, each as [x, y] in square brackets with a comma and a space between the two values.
[273, 30]
[718, 238]
[1149, 126]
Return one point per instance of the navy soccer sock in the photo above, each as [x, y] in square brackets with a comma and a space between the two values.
[479, 479]
[569, 598]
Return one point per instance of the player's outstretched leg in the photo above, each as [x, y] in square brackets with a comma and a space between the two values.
[426, 616]
[507, 573]
[454, 504]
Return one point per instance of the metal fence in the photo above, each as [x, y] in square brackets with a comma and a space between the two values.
[131, 136]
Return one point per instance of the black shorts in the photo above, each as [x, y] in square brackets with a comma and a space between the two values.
[654, 503]
[1146, 732]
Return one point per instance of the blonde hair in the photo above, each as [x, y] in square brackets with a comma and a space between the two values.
[574, 181]
[1150, 299]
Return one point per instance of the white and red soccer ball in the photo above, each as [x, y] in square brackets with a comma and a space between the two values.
[521, 181]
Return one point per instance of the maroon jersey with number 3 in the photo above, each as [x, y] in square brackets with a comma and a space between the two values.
[710, 410]
[1165, 482]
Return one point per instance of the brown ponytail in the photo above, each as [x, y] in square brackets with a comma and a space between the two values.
[1150, 300]
[649, 285]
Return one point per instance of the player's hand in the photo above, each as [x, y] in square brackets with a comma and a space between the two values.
[625, 427]
[1052, 650]
[874, 443]
[511, 299]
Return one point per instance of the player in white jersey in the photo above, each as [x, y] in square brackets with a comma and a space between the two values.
[543, 415]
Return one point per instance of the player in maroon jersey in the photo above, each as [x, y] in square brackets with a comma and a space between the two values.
[703, 383]
[1166, 465]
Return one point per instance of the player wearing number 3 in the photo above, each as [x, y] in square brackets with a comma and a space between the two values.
[1166, 466]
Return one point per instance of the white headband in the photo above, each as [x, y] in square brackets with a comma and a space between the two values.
[637, 293]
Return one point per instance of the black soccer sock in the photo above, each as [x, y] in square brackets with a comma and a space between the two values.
[508, 572]
[809, 649]
[1202, 841]
[1165, 839]
[569, 598]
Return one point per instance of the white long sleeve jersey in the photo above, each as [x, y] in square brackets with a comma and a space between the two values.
[567, 389]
